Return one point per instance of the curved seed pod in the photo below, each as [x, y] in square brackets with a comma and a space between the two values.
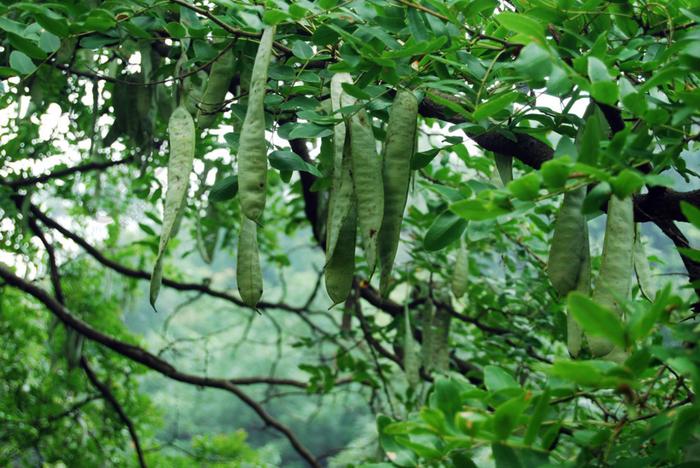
[411, 363]
[367, 178]
[460, 275]
[341, 196]
[398, 151]
[182, 139]
[427, 311]
[252, 149]
[248, 272]
[441, 338]
[641, 268]
[217, 86]
[566, 252]
[340, 268]
[504, 166]
[574, 333]
[613, 283]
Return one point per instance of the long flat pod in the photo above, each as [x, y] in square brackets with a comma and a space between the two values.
[248, 272]
[182, 139]
[566, 252]
[217, 86]
[340, 268]
[341, 195]
[252, 149]
[367, 178]
[614, 280]
[398, 151]
[574, 333]
[460, 274]
[411, 360]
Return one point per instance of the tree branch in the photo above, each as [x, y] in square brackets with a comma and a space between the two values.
[151, 361]
[91, 166]
[107, 394]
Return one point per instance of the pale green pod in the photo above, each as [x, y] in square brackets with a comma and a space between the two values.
[460, 274]
[566, 250]
[614, 280]
[340, 269]
[248, 272]
[342, 190]
[574, 333]
[398, 151]
[252, 149]
[427, 311]
[411, 361]
[220, 76]
[182, 144]
[369, 186]
[641, 268]
[441, 339]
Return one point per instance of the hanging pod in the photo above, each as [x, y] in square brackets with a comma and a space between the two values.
[252, 148]
[248, 272]
[220, 76]
[398, 151]
[612, 286]
[182, 139]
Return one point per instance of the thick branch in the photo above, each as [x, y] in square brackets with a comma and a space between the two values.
[150, 360]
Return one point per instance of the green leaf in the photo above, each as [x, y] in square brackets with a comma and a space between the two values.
[534, 62]
[603, 87]
[590, 140]
[526, 187]
[584, 373]
[522, 24]
[556, 172]
[398, 454]
[302, 50]
[446, 229]
[642, 322]
[683, 427]
[49, 42]
[286, 160]
[423, 158]
[516, 457]
[20, 62]
[595, 319]
[506, 416]
[692, 213]
[309, 130]
[273, 16]
[494, 105]
[627, 183]
[537, 417]
[176, 30]
[478, 209]
[224, 189]
[59, 27]
[497, 378]
[446, 398]
[356, 91]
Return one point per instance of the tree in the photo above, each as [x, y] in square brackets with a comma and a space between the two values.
[488, 339]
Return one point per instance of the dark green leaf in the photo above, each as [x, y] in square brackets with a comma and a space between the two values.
[445, 229]
[595, 319]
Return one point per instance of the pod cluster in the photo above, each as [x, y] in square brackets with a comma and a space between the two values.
[368, 192]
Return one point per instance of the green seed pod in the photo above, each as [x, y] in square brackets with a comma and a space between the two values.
[641, 268]
[427, 311]
[460, 274]
[441, 338]
[411, 362]
[182, 140]
[252, 149]
[567, 251]
[613, 283]
[398, 151]
[220, 76]
[342, 191]
[367, 178]
[340, 269]
[248, 272]
[574, 333]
